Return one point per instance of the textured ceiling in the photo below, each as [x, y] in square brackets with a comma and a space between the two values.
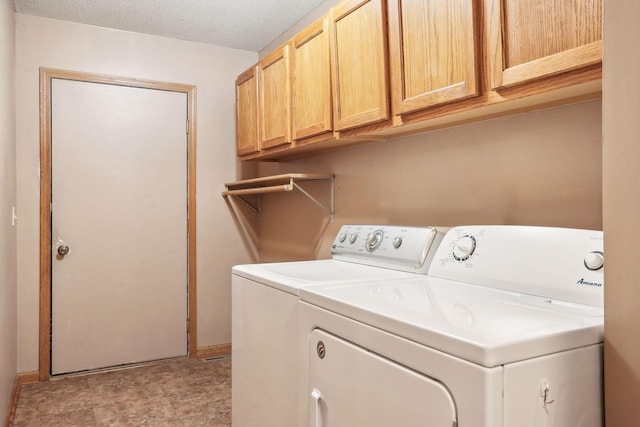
[241, 24]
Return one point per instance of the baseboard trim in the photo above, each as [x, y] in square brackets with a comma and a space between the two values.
[28, 377]
[22, 378]
[214, 351]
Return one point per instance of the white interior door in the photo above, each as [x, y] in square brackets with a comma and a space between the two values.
[119, 203]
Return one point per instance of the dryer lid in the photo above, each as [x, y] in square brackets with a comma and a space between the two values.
[487, 326]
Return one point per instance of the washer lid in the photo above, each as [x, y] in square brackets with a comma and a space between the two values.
[291, 276]
[487, 326]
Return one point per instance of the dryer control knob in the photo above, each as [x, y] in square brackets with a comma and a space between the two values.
[397, 242]
[342, 237]
[464, 247]
[594, 260]
[352, 238]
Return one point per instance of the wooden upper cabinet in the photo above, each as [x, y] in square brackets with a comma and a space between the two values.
[531, 39]
[432, 50]
[359, 67]
[341, 79]
[311, 82]
[247, 112]
[274, 90]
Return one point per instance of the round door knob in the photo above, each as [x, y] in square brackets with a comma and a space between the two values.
[63, 250]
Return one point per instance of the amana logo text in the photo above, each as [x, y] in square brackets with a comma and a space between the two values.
[584, 282]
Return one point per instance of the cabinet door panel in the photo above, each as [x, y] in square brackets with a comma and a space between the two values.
[539, 38]
[360, 73]
[247, 112]
[311, 86]
[275, 99]
[432, 52]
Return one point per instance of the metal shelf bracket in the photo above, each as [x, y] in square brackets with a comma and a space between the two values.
[279, 183]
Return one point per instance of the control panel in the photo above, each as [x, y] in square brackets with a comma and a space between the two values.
[395, 247]
[558, 263]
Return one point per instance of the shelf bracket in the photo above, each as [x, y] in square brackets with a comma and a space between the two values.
[255, 209]
[328, 210]
[284, 183]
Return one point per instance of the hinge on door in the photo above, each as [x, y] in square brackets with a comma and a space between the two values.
[188, 328]
[187, 126]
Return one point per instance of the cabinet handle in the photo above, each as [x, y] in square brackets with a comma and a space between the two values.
[315, 394]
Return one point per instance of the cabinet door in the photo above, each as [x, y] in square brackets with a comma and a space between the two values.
[311, 85]
[247, 112]
[360, 70]
[275, 99]
[530, 39]
[432, 52]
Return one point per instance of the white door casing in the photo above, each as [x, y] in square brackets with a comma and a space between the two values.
[119, 201]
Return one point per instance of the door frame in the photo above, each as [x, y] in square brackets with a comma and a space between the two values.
[46, 75]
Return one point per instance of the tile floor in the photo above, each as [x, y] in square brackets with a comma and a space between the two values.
[186, 392]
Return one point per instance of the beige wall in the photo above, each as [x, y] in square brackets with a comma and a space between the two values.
[621, 175]
[538, 168]
[8, 348]
[42, 42]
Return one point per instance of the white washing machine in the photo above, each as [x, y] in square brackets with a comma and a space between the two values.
[506, 330]
[267, 354]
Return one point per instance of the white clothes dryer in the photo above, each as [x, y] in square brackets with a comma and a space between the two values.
[267, 370]
[506, 330]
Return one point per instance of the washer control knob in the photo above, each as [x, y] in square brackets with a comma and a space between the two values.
[594, 260]
[342, 237]
[464, 247]
[397, 242]
[374, 239]
[352, 238]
